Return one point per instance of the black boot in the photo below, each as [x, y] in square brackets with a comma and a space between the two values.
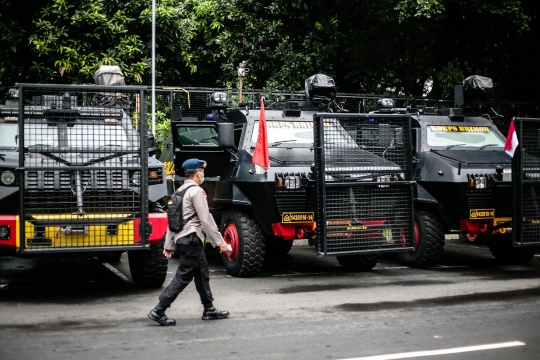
[158, 315]
[213, 313]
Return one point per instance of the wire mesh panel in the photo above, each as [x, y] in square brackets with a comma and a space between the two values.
[364, 187]
[81, 171]
[526, 182]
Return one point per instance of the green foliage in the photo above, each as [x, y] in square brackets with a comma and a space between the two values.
[163, 129]
[450, 76]
[367, 46]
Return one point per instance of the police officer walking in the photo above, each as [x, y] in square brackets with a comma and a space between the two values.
[190, 246]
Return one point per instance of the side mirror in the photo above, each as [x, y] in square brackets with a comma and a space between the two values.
[225, 134]
[151, 144]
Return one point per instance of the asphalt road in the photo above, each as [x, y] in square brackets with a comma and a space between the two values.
[300, 307]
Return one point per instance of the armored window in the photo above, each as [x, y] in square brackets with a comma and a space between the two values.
[206, 136]
[461, 135]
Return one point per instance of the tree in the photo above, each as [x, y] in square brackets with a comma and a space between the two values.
[367, 46]
[478, 38]
[69, 40]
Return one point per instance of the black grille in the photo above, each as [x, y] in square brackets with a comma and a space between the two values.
[295, 202]
[499, 198]
[63, 179]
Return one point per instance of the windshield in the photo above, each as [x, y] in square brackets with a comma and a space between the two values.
[102, 136]
[292, 133]
[459, 136]
[77, 136]
[34, 134]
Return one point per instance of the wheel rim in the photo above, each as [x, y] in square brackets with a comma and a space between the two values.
[230, 235]
[471, 237]
[416, 237]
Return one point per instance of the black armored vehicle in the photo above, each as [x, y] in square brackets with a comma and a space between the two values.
[467, 183]
[78, 179]
[322, 184]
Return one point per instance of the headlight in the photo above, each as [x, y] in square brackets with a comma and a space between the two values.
[7, 177]
[4, 232]
[480, 182]
[136, 178]
[292, 182]
[384, 178]
[477, 181]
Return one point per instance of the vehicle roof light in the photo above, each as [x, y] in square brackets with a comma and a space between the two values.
[11, 119]
[13, 93]
[219, 96]
[217, 100]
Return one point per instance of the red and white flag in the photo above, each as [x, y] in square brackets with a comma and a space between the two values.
[260, 155]
[511, 140]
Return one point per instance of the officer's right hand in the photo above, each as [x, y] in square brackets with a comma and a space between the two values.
[223, 248]
[168, 253]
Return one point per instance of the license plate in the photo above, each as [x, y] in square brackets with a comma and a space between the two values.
[481, 214]
[74, 230]
[297, 217]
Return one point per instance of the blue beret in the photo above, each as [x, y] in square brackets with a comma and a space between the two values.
[194, 164]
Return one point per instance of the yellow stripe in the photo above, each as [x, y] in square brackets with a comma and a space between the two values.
[93, 234]
[169, 167]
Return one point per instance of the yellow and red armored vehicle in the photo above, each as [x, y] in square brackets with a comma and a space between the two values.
[78, 177]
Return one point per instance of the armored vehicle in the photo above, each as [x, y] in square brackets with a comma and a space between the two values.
[77, 179]
[322, 184]
[467, 183]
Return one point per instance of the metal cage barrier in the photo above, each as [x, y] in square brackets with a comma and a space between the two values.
[83, 180]
[364, 188]
[526, 183]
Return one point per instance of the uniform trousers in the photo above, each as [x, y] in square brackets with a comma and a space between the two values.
[192, 264]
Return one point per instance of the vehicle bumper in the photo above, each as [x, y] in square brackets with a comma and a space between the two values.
[70, 232]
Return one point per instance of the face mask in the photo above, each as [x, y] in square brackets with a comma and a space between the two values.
[202, 180]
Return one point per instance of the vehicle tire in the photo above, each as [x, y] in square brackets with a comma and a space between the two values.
[428, 240]
[155, 207]
[361, 262]
[148, 268]
[501, 248]
[276, 246]
[243, 232]
[474, 239]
